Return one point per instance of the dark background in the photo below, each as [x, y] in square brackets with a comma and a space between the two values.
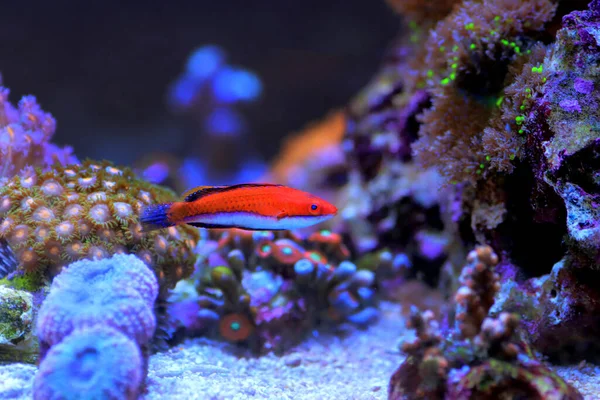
[102, 68]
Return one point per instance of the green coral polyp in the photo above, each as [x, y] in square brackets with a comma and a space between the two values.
[538, 70]
[75, 214]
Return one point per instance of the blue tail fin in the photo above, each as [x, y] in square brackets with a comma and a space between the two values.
[155, 216]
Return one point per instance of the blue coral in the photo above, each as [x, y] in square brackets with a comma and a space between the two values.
[92, 363]
[118, 292]
[94, 327]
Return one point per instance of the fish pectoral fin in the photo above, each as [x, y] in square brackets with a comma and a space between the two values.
[282, 214]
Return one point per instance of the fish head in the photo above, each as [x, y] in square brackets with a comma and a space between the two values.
[321, 208]
[309, 205]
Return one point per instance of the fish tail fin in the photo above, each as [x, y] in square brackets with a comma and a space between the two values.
[156, 216]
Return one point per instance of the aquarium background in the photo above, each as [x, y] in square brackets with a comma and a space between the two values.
[458, 142]
[105, 69]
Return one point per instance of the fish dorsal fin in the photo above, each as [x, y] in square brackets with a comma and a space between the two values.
[201, 191]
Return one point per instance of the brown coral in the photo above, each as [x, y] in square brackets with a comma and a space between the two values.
[423, 374]
[313, 159]
[504, 138]
[496, 363]
[423, 12]
[468, 60]
[88, 211]
[452, 142]
[479, 287]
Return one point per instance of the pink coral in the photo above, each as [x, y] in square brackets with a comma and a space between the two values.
[25, 133]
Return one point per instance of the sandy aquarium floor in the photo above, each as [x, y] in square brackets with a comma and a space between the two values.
[354, 367]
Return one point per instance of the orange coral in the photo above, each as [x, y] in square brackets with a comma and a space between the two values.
[235, 327]
[476, 295]
[301, 149]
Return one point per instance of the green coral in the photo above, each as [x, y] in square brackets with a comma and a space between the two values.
[17, 342]
[26, 283]
[472, 55]
[88, 211]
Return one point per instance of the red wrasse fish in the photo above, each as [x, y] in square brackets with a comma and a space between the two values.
[250, 206]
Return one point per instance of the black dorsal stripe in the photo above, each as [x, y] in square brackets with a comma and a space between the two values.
[205, 191]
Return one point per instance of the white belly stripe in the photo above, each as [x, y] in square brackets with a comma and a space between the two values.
[254, 221]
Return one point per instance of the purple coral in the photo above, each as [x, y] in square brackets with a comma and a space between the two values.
[126, 270]
[25, 134]
[93, 363]
[113, 297]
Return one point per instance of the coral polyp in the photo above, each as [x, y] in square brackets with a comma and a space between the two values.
[74, 214]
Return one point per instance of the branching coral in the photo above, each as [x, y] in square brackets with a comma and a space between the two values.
[479, 287]
[94, 329]
[424, 372]
[88, 211]
[267, 291]
[25, 133]
[495, 363]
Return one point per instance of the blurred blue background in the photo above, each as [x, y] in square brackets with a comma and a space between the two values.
[126, 79]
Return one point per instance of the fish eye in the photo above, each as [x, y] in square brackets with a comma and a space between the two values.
[313, 207]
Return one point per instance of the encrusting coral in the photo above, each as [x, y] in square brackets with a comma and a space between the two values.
[25, 133]
[94, 328]
[88, 211]
[493, 362]
[267, 291]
